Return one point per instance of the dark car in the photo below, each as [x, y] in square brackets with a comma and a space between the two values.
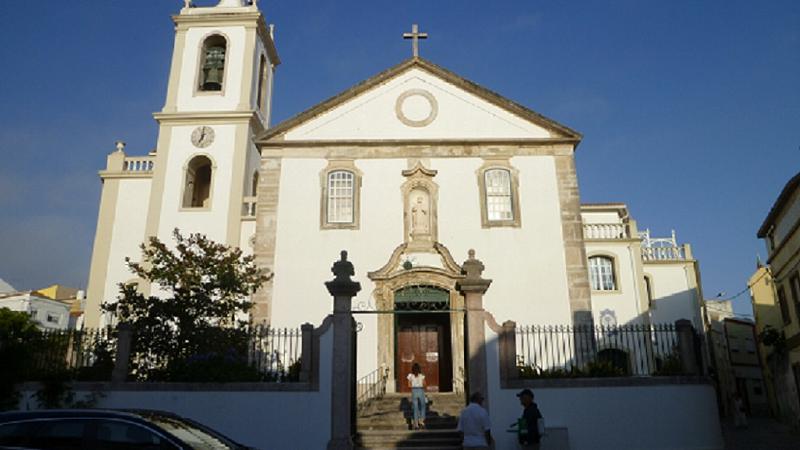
[99, 429]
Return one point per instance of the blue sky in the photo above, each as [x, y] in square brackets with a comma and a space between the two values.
[690, 110]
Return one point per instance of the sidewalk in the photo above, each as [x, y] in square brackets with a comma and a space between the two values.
[761, 434]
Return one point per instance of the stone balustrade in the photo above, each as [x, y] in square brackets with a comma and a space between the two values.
[592, 231]
[138, 164]
[249, 207]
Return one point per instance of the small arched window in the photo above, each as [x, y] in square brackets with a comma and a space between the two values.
[648, 285]
[616, 358]
[498, 195]
[341, 196]
[262, 84]
[212, 65]
[601, 273]
[197, 187]
[254, 186]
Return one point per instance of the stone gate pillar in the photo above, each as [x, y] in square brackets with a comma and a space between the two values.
[472, 287]
[343, 289]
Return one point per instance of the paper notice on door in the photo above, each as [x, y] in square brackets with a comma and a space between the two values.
[407, 358]
[432, 356]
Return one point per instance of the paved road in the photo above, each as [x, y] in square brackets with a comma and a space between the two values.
[761, 434]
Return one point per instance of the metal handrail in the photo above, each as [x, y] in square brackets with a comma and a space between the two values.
[371, 387]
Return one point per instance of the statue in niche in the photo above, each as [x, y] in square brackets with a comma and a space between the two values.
[420, 217]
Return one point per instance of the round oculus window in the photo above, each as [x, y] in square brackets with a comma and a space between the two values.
[416, 108]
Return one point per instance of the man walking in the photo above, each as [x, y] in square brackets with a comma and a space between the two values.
[474, 425]
[529, 437]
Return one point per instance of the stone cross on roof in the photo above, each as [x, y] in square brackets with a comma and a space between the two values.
[415, 36]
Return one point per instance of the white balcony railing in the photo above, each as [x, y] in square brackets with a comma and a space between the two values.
[249, 207]
[664, 253]
[138, 164]
[605, 231]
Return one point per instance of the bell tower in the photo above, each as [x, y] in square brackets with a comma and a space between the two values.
[217, 102]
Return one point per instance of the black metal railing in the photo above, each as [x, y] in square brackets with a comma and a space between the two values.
[564, 351]
[73, 354]
[371, 387]
[251, 354]
[276, 352]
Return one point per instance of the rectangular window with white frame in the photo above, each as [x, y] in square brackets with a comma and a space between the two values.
[340, 183]
[340, 196]
[601, 273]
[498, 195]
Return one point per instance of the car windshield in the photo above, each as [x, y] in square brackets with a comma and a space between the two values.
[199, 438]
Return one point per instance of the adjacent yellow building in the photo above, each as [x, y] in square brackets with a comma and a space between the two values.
[775, 292]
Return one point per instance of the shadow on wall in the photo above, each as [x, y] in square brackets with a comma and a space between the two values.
[680, 305]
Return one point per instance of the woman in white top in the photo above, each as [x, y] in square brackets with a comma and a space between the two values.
[416, 381]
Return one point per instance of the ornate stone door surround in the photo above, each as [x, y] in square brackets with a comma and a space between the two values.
[394, 275]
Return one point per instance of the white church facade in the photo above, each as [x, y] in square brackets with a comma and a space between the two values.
[408, 171]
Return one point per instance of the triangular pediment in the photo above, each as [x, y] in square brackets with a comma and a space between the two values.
[418, 100]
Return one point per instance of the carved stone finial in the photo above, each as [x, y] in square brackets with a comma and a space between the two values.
[120, 146]
[471, 253]
[187, 3]
[472, 268]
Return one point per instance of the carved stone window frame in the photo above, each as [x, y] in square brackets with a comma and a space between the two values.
[347, 165]
[615, 272]
[504, 164]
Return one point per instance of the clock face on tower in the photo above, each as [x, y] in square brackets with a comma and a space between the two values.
[202, 136]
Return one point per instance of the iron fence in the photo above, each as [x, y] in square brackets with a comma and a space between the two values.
[219, 354]
[555, 351]
[276, 352]
[79, 354]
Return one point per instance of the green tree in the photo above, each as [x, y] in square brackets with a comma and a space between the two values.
[193, 322]
[17, 332]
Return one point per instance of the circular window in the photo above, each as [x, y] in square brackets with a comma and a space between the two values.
[416, 108]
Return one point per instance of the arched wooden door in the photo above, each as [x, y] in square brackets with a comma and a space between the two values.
[422, 325]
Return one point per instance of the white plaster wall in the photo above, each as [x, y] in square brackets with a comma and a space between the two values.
[526, 264]
[127, 233]
[228, 98]
[261, 51]
[27, 303]
[624, 302]
[788, 219]
[600, 217]
[613, 418]
[674, 298]
[18, 304]
[263, 419]
[212, 222]
[461, 115]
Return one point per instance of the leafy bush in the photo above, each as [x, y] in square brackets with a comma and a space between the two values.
[191, 332]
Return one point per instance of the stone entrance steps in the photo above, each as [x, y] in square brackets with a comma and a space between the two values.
[386, 423]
